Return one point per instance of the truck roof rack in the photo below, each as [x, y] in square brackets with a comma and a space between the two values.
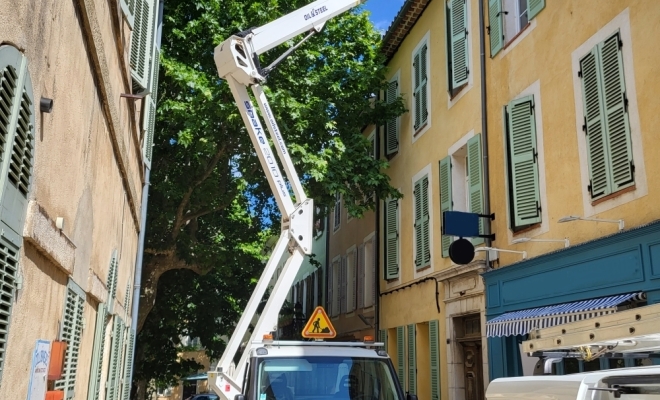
[624, 332]
[283, 343]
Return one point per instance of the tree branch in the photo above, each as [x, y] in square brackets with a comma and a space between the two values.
[179, 216]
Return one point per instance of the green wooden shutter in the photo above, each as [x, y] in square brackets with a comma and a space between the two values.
[142, 41]
[111, 284]
[599, 184]
[616, 114]
[329, 299]
[459, 44]
[400, 355]
[412, 360]
[423, 76]
[419, 241]
[344, 277]
[446, 203]
[128, 8]
[112, 383]
[534, 7]
[16, 141]
[391, 239]
[416, 90]
[71, 333]
[392, 126]
[149, 120]
[524, 168]
[8, 270]
[422, 242]
[476, 177]
[128, 366]
[495, 29]
[426, 221]
[435, 359]
[361, 277]
[94, 387]
[382, 337]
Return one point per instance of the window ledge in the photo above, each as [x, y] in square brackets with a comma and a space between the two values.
[614, 195]
[516, 36]
[526, 229]
[96, 288]
[41, 232]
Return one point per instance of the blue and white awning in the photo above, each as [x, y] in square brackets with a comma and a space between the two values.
[524, 321]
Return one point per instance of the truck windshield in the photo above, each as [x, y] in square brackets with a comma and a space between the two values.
[327, 378]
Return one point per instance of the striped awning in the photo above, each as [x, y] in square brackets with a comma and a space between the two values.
[524, 321]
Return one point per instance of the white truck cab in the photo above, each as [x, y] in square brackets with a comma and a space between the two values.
[317, 370]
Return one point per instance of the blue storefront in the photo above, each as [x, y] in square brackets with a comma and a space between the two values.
[625, 266]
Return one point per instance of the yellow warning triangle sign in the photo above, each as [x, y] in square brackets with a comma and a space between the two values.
[319, 326]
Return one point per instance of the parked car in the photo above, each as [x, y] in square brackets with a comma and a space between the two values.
[205, 396]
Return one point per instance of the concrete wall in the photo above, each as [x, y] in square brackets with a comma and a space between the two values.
[87, 170]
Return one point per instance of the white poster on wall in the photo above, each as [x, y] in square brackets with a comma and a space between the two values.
[39, 371]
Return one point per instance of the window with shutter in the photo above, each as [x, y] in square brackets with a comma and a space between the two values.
[524, 195]
[8, 270]
[507, 18]
[446, 203]
[16, 142]
[94, 387]
[343, 285]
[495, 30]
[373, 277]
[422, 223]
[128, 9]
[128, 366]
[457, 50]
[111, 284]
[142, 41]
[401, 354]
[475, 178]
[434, 349]
[71, 333]
[16, 159]
[361, 278]
[149, 119]
[412, 359]
[420, 88]
[392, 126]
[352, 281]
[391, 239]
[337, 212]
[609, 145]
[114, 370]
[382, 337]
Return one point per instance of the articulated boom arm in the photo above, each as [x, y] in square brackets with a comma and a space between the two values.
[237, 60]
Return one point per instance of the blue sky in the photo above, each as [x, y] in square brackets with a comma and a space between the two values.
[383, 12]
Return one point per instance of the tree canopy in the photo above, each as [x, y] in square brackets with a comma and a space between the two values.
[210, 206]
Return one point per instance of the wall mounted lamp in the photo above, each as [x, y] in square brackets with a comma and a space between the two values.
[576, 218]
[46, 105]
[136, 96]
[524, 253]
[525, 240]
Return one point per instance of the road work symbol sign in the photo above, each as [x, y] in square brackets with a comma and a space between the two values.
[319, 326]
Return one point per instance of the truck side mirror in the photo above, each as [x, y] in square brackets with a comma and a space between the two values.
[239, 397]
[408, 397]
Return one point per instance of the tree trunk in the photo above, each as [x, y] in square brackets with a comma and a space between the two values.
[152, 270]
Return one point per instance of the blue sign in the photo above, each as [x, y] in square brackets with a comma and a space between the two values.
[461, 224]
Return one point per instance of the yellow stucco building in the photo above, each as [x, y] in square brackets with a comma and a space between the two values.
[559, 133]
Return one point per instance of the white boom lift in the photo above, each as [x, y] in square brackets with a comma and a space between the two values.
[237, 60]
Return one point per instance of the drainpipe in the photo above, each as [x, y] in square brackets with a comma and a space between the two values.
[484, 128]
